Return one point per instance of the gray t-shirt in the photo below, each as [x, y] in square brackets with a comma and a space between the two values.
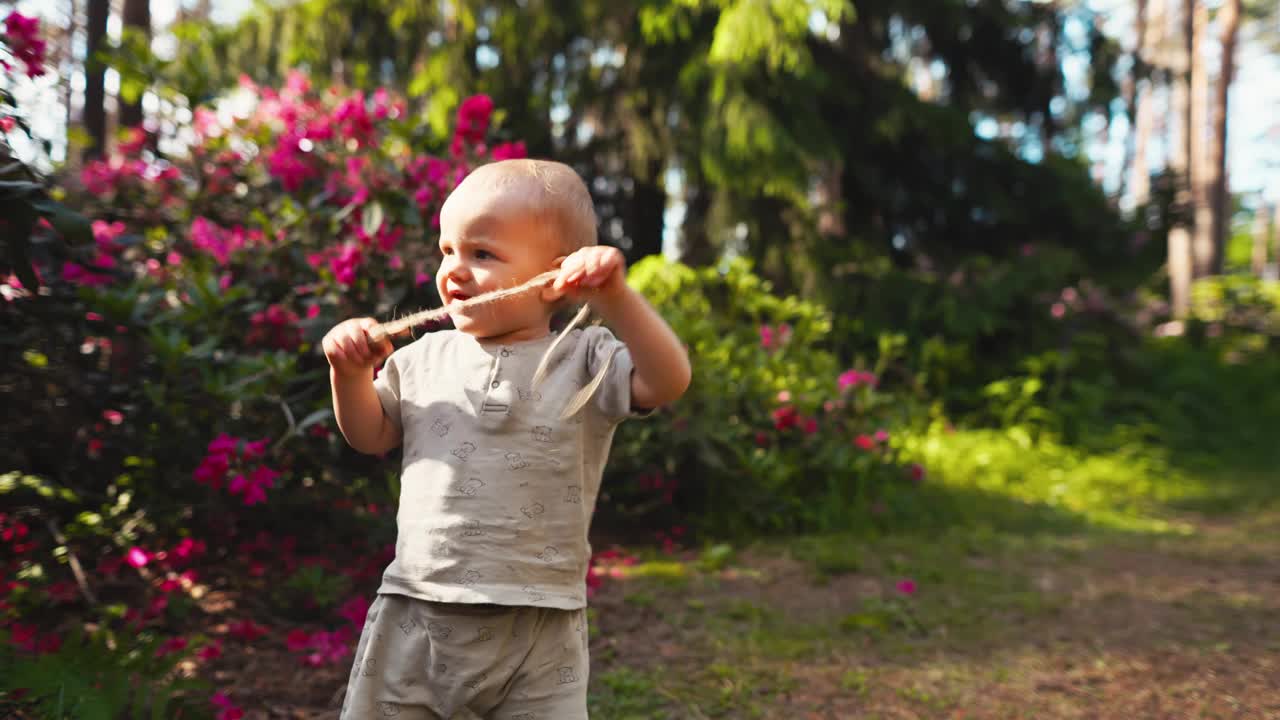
[496, 492]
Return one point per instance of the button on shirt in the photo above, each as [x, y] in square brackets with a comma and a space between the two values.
[496, 491]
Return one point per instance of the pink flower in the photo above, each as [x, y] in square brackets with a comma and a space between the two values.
[915, 471]
[881, 435]
[509, 151]
[785, 418]
[906, 587]
[229, 710]
[276, 327]
[77, 274]
[297, 640]
[135, 140]
[23, 636]
[854, 378]
[865, 442]
[187, 549]
[245, 630]
[113, 416]
[172, 645]
[137, 557]
[473, 118]
[212, 651]
[345, 263]
[355, 610]
[22, 35]
[766, 337]
[810, 426]
[290, 165]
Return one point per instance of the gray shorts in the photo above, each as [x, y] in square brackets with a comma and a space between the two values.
[420, 660]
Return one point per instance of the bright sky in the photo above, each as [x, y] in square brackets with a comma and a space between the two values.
[1253, 134]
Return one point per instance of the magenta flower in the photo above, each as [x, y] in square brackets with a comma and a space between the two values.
[785, 418]
[766, 337]
[78, 275]
[297, 640]
[224, 444]
[22, 35]
[881, 435]
[137, 557]
[276, 327]
[865, 442]
[355, 610]
[229, 710]
[212, 651]
[510, 151]
[854, 378]
[907, 587]
[172, 645]
[473, 118]
[246, 630]
[915, 471]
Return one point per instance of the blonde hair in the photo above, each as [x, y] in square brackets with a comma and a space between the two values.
[552, 191]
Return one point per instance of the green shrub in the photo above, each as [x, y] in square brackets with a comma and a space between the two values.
[765, 439]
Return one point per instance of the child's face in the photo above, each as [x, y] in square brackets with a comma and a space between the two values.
[489, 241]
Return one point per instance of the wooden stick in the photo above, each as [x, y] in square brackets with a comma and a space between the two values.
[386, 330]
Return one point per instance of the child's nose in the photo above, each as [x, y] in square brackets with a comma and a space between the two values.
[456, 271]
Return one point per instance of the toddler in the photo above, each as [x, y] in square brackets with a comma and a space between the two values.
[483, 610]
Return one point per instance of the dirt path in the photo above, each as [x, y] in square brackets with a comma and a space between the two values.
[999, 627]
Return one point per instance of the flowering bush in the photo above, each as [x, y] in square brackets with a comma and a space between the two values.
[175, 398]
[773, 434]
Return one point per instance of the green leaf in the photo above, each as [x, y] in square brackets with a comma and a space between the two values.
[18, 188]
[73, 226]
[373, 216]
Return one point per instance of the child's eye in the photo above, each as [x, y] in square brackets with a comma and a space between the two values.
[483, 255]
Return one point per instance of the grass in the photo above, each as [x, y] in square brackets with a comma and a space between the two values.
[1051, 582]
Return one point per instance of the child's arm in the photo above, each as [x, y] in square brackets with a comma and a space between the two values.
[352, 358]
[661, 363]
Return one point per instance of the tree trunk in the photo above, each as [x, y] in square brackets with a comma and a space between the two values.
[647, 213]
[696, 247]
[1197, 148]
[1152, 44]
[1219, 197]
[95, 113]
[69, 59]
[1180, 266]
[1259, 258]
[137, 14]
[1130, 91]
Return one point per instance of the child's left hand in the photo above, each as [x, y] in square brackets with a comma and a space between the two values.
[598, 267]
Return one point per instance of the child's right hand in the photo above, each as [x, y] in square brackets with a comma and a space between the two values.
[349, 350]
